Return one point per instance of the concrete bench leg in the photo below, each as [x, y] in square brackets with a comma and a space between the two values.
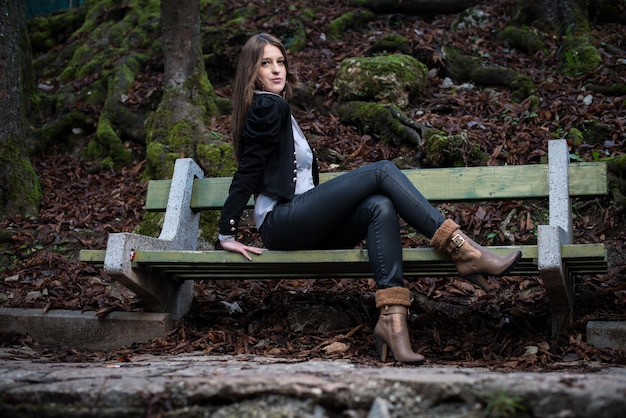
[556, 280]
[559, 231]
[179, 233]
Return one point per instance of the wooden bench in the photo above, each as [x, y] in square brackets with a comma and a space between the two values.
[161, 271]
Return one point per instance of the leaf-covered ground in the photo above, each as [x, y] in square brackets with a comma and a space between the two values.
[451, 322]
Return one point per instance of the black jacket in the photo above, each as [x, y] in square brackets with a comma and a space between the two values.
[267, 162]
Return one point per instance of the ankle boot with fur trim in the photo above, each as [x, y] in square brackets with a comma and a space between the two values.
[391, 330]
[472, 261]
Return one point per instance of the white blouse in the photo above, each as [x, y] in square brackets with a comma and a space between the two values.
[263, 204]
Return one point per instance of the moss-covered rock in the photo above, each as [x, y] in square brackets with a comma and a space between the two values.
[522, 38]
[443, 150]
[523, 87]
[393, 79]
[461, 67]
[471, 18]
[613, 89]
[382, 122]
[595, 132]
[390, 43]
[575, 137]
[579, 56]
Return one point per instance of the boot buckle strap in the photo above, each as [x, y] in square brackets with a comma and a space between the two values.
[458, 241]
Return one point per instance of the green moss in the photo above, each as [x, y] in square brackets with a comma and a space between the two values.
[209, 220]
[47, 31]
[523, 87]
[203, 92]
[617, 164]
[376, 120]
[351, 20]
[459, 65]
[162, 161]
[395, 78]
[224, 105]
[109, 145]
[242, 14]
[467, 68]
[216, 157]
[442, 150]
[21, 191]
[151, 224]
[525, 39]
[391, 43]
[613, 89]
[492, 74]
[503, 404]
[295, 38]
[579, 56]
[596, 132]
[180, 135]
[575, 137]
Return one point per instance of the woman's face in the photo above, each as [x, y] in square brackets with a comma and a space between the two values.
[272, 72]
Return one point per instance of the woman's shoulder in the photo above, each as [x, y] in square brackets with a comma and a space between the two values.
[269, 101]
[266, 116]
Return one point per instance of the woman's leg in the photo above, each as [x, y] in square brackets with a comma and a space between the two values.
[374, 219]
[315, 217]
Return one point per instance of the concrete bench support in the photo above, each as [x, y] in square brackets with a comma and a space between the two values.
[179, 233]
[556, 279]
[84, 330]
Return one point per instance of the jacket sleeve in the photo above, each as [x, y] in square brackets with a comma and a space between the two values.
[260, 138]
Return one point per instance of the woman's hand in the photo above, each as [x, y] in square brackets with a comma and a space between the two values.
[237, 247]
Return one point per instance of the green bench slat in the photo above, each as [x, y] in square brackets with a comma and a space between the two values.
[461, 184]
[216, 265]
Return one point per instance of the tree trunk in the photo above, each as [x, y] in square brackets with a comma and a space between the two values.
[179, 126]
[570, 19]
[20, 191]
[550, 15]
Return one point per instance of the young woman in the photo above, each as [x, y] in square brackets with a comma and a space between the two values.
[293, 212]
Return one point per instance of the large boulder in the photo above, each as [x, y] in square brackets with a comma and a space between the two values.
[395, 79]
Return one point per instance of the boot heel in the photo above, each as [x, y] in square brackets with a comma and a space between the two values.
[479, 280]
[382, 347]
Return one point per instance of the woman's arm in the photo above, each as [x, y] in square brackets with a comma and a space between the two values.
[260, 140]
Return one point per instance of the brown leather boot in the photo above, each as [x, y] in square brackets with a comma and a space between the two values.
[473, 262]
[391, 330]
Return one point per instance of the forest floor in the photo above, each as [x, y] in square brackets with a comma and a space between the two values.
[451, 322]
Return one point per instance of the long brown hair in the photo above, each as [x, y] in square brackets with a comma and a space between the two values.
[246, 80]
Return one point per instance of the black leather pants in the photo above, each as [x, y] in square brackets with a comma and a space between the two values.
[364, 203]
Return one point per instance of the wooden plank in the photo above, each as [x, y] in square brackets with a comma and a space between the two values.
[573, 251]
[92, 256]
[418, 262]
[437, 184]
